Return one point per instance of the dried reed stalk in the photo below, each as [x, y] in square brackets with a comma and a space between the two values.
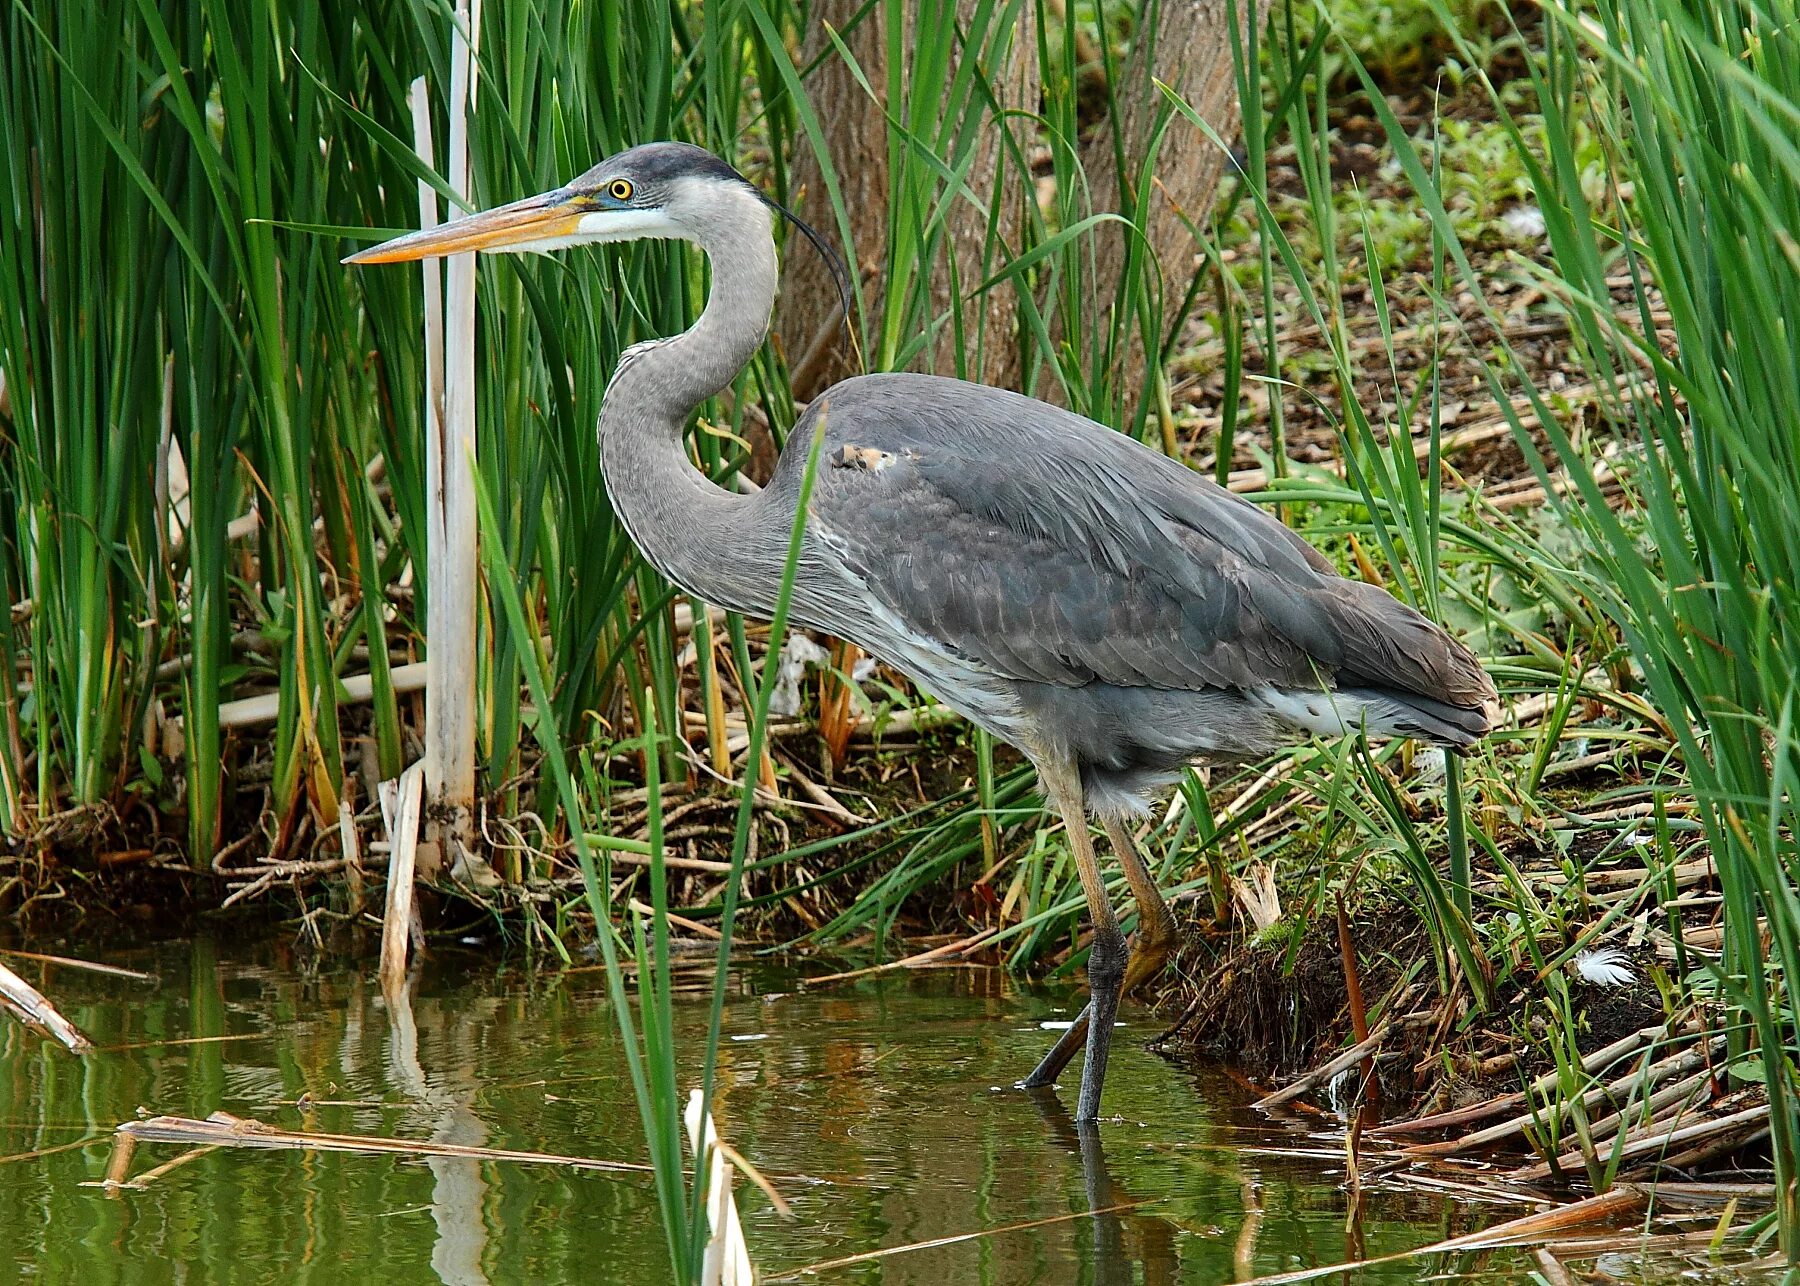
[224, 1130]
[20, 998]
[726, 1258]
[400, 805]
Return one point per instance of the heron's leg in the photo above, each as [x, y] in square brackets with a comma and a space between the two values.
[1106, 955]
[1150, 947]
[1156, 935]
[1067, 1046]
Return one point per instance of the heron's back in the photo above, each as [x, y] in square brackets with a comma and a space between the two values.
[1080, 594]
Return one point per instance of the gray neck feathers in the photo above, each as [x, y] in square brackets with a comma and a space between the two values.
[700, 536]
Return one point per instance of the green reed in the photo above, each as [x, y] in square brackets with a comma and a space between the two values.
[1700, 109]
[174, 205]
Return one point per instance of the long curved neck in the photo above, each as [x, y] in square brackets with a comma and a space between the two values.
[694, 532]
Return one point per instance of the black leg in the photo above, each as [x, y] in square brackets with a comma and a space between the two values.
[1044, 1075]
[1106, 974]
[1106, 958]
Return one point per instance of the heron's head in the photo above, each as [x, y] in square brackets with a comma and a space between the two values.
[655, 190]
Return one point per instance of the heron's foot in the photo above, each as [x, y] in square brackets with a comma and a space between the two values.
[1151, 946]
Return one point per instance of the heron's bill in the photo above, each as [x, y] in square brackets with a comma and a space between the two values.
[536, 218]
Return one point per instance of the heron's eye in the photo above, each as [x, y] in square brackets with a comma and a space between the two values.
[620, 189]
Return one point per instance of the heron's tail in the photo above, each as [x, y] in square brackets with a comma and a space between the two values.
[1407, 714]
[1380, 712]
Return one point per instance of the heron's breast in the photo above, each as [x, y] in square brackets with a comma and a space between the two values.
[847, 610]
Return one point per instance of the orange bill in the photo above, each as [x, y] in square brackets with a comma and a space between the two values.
[536, 218]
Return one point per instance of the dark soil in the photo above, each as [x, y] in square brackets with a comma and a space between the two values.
[1277, 1009]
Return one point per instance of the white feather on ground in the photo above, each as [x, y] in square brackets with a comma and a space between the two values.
[798, 654]
[1604, 967]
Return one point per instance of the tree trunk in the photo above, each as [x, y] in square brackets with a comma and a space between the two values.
[856, 132]
[1187, 45]
[807, 322]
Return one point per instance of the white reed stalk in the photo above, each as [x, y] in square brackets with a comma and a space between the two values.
[21, 998]
[727, 1258]
[437, 627]
[452, 574]
[400, 801]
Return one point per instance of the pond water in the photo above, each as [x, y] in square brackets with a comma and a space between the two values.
[881, 1091]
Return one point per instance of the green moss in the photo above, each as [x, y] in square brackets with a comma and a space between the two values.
[1399, 40]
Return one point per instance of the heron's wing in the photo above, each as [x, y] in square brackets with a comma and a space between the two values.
[935, 543]
[1049, 548]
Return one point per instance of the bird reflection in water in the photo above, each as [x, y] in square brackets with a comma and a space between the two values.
[1124, 1235]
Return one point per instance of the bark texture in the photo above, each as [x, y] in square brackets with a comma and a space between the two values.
[856, 137]
[1187, 45]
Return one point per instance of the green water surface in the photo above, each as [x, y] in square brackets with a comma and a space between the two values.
[877, 1106]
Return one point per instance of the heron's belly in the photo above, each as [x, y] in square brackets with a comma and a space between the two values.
[1129, 742]
[989, 701]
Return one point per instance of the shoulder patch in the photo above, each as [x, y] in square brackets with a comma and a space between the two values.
[866, 459]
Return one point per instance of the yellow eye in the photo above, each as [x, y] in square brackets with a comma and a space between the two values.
[620, 189]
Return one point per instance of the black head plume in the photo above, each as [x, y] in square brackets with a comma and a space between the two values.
[834, 263]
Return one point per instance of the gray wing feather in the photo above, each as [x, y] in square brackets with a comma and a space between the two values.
[1050, 548]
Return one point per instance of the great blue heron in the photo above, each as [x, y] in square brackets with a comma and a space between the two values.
[1102, 607]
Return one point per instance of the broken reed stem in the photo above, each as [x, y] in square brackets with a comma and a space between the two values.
[900, 724]
[1645, 1075]
[824, 799]
[118, 1165]
[692, 926]
[1319, 1075]
[623, 856]
[29, 1004]
[1359, 1016]
[726, 1259]
[38, 1153]
[1656, 1146]
[351, 849]
[960, 947]
[1683, 1092]
[400, 802]
[70, 962]
[150, 1176]
[1595, 1062]
[222, 1129]
[1552, 1269]
[1684, 1162]
[1622, 1202]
